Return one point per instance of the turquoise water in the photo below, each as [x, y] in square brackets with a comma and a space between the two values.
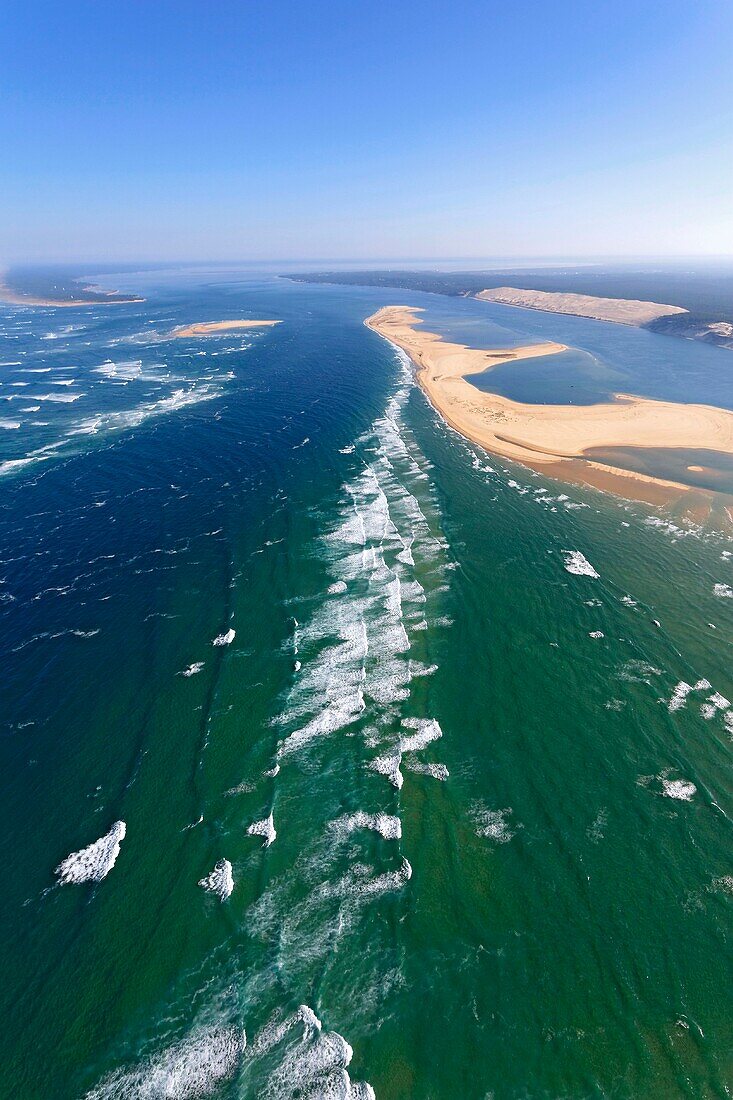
[500, 790]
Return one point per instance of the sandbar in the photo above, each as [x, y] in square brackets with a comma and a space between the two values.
[622, 311]
[211, 328]
[551, 438]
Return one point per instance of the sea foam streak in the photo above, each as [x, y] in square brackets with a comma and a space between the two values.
[220, 881]
[359, 641]
[577, 563]
[387, 825]
[94, 863]
[194, 1068]
[311, 1062]
[264, 828]
[356, 649]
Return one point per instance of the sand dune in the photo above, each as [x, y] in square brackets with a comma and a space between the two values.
[622, 311]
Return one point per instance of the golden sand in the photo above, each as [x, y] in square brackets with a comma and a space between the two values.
[621, 310]
[551, 438]
[207, 328]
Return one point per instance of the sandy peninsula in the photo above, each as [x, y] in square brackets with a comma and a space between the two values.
[621, 310]
[551, 438]
[12, 297]
[211, 328]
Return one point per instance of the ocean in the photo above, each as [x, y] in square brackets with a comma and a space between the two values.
[340, 758]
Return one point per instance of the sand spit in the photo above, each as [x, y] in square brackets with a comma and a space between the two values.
[11, 297]
[211, 328]
[551, 438]
[622, 311]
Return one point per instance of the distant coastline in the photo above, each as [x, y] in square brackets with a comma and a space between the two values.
[48, 287]
[553, 439]
[701, 309]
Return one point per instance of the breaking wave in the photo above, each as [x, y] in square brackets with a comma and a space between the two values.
[95, 862]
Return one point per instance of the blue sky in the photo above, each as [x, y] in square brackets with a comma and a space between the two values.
[284, 130]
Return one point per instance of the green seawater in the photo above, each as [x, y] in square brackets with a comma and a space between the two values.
[496, 790]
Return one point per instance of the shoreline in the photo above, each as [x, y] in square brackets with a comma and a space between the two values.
[11, 297]
[552, 439]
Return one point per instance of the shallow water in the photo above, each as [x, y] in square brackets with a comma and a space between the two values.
[604, 358]
[490, 790]
[566, 378]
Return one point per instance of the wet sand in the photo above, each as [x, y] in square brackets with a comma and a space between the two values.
[552, 439]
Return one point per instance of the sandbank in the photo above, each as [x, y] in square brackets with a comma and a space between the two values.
[551, 438]
[210, 328]
[622, 311]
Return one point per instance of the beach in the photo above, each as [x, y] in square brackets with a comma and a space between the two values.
[551, 438]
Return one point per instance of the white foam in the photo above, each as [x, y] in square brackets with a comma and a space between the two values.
[133, 418]
[577, 563]
[418, 669]
[264, 828]
[126, 371]
[192, 669]
[194, 1068]
[427, 730]
[723, 590]
[93, 863]
[387, 825]
[219, 881]
[714, 703]
[596, 634]
[679, 696]
[493, 824]
[58, 398]
[389, 766]
[225, 639]
[435, 771]
[681, 789]
[9, 425]
[313, 1064]
[360, 883]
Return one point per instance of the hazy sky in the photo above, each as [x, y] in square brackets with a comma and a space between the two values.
[352, 128]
